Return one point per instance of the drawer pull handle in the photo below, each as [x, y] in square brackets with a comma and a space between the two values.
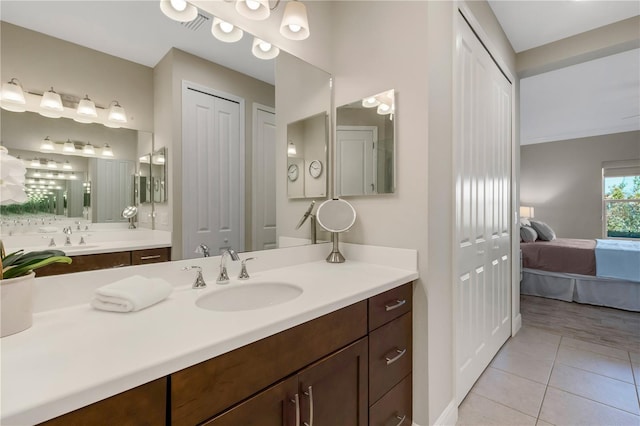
[154, 256]
[400, 354]
[309, 393]
[396, 305]
[296, 401]
[120, 265]
[402, 419]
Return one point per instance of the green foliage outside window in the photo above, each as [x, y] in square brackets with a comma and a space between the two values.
[623, 211]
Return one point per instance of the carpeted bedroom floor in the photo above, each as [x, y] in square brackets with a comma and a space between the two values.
[570, 364]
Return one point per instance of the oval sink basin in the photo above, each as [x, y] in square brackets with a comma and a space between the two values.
[245, 297]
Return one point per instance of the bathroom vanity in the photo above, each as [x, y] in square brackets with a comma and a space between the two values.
[339, 353]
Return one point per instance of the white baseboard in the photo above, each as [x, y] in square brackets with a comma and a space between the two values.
[516, 324]
[449, 416]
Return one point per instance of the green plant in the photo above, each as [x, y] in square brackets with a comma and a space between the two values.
[19, 263]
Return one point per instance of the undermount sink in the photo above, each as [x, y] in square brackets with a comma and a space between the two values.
[245, 297]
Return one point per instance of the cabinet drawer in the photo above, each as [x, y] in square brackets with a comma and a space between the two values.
[389, 305]
[144, 405]
[393, 409]
[88, 262]
[389, 356]
[206, 389]
[140, 257]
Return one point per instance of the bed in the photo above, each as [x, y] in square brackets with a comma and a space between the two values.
[597, 272]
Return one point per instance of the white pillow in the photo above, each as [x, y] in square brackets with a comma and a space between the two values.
[545, 233]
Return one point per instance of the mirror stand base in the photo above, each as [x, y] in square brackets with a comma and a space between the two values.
[335, 256]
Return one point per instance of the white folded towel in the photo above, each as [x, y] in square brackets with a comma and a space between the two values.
[131, 294]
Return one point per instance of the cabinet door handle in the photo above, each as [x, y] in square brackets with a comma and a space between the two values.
[402, 419]
[396, 305]
[296, 401]
[309, 393]
[153, 256]
[120, 265]
[400, 354]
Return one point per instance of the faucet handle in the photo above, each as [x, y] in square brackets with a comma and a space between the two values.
[244, 275]
[199, 282]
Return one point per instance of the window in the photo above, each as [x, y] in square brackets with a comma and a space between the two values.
[621, 200]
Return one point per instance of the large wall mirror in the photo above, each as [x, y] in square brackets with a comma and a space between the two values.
[188, 52]
[365, 146]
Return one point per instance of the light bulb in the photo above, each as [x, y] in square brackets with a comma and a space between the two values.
[178, 5]
[295, 28]
[226, 27]
[252, 4]
[264, 46]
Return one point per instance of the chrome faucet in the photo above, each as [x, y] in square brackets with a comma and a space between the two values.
[199, 282]
[223, 278]
[204, 249]
[244, 275]
[68, 232]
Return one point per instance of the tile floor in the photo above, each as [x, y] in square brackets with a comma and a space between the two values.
[541, 377]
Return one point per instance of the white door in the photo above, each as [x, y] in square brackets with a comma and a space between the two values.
[357, 159]
[212, 170]
[264, 178]
[482, 249]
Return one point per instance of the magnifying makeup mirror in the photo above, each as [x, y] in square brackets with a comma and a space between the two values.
[336, 216]
[130, 213]
[304, 218]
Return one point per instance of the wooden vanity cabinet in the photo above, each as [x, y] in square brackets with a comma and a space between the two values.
[92, 262]
[144, 405]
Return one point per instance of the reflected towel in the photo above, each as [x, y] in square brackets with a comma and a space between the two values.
[131, 294]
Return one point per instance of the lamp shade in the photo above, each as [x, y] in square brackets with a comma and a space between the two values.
[224, 31]
[295, 25]
[88, 149]
[264, 50]
[69, 146]
[107, 151]
[253, 9]
[179, 10]
[47, 145]
[86, 110]
[526, 211]
[12, 96]
[51, 105]
[370, 102]
[291, 148]
[117, 114]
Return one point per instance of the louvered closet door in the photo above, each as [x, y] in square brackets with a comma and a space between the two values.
[212, 170]
[483, 170]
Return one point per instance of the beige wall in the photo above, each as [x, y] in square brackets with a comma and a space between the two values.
[563, 180]
[40, 61]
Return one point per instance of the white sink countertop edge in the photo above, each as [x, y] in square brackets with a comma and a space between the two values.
[75, 355]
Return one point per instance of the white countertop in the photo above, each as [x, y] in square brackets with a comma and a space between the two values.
[75, 355]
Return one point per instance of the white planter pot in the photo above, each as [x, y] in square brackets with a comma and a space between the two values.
[16, 309]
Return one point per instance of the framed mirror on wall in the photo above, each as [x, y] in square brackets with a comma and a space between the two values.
[365, 146]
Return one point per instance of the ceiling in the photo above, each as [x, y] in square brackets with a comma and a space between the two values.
[134, 30]
[594, 98]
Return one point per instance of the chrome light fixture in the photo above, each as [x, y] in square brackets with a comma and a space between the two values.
[12, 96]
[224, 31]
[88, 149]
[117, 114]
[253, 9]
[51, 105]
[295, 25]
[47, 145]
[179, 10]
[264, 50]
[86, 110]
[107, 151]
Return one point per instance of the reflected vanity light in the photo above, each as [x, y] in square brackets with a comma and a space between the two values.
[67, 165]
[179, 10]
[295, 25]
[35, 162]
[51, 104]
[88, 149]
[68, 146]
[291, 148]
[12, 96]
[52, 164]
[370, 102]
[106, 150]
[257, 10]
[264, 50]
[86, 110]
[224, 31]
[47, 145]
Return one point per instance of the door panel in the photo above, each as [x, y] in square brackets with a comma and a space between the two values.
[482, 164]
[264, 178]
[357, 160]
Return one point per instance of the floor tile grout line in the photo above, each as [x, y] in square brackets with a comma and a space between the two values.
[594, 400]
[503, 404]
[596, 373]
[546, 388]
[518, 375]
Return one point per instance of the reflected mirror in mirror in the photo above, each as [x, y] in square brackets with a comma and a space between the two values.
[365, 146]
[307, 157]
